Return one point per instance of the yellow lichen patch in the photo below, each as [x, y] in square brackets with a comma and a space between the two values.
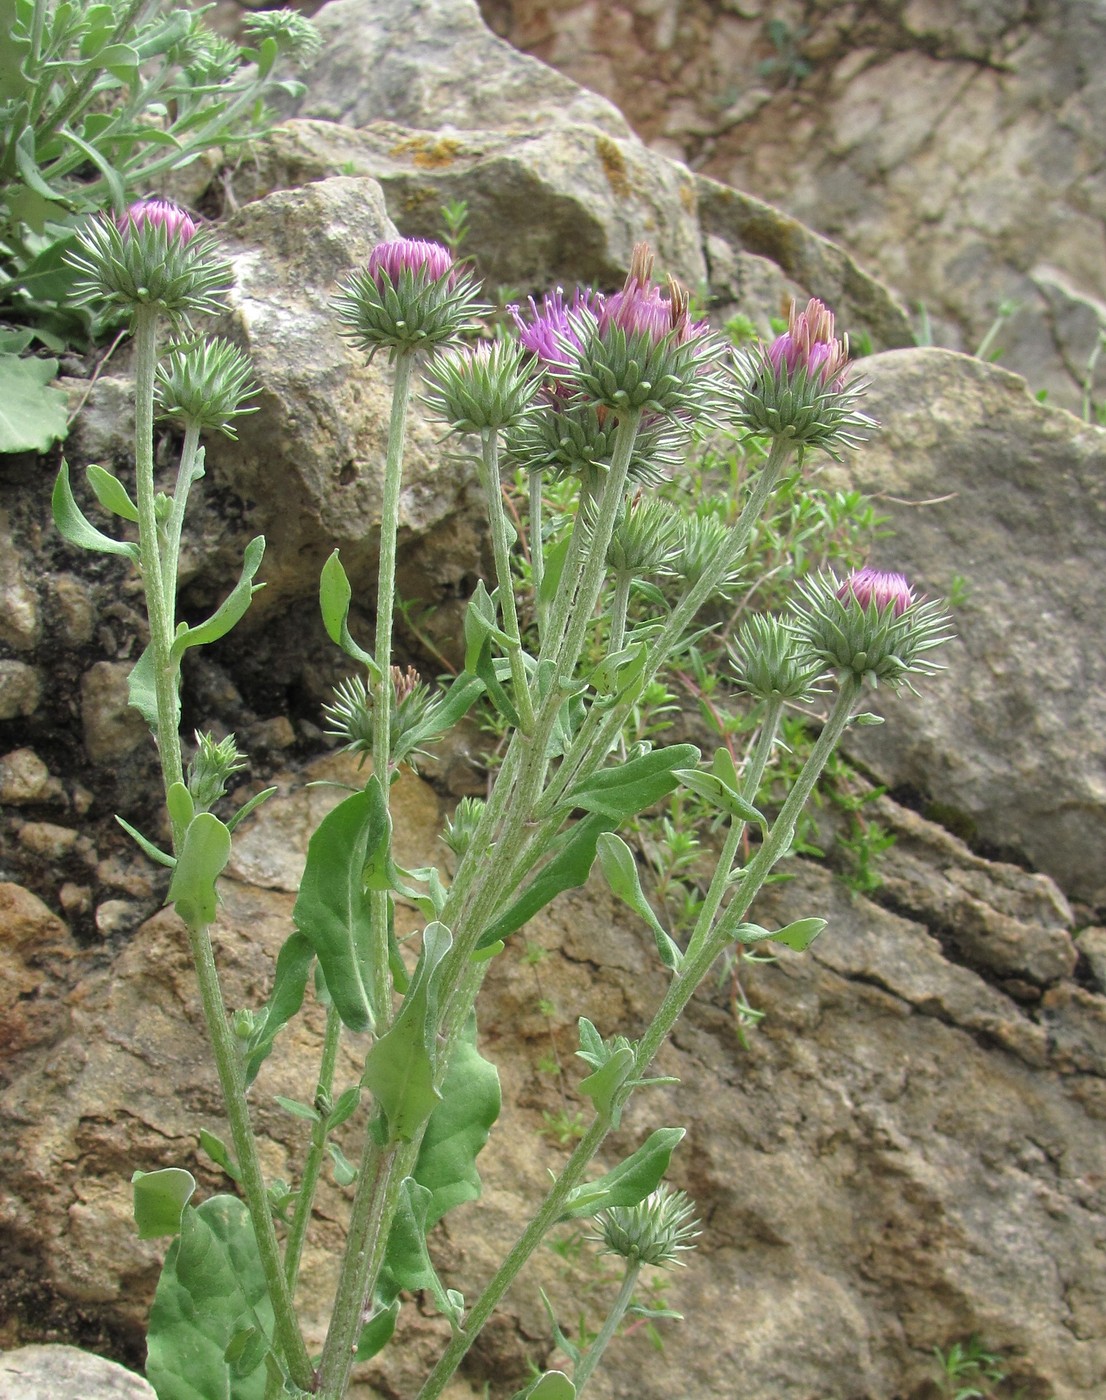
[614, 166]
[687, 196]
[428, 153]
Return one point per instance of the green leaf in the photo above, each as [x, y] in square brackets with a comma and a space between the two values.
[621, 872]
[630, 1182]
[335, 595]
[211, 1288]
[407, 1261]
[567, 870]
[73, 525]
[629, 788]
[377, 1332]
[458, 1128]
[32, 416]
[204, 854]
[111, 493]
[462, 694]
[219, 1153]
[344, 1108]
[603, 1085]
[159, 1199]
[719, 794]
[333, 908]
[550, 1385]
[246, 1350]
[179, 802]
[297, 1109]
[250, 806]
[112, 178]
[232, 609]
[345, 1174]
[798, 935]
[400, 1067]
[142, 689]
[293, 965]
[154, 852]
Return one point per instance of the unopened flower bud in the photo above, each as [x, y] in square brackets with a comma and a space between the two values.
[205, 384]
[410, 296]
[155, 255]
[292, 32]
[646, 538]
[871, 624]
[213, 765]
[657, 1231]
[770, 662]
[799, 386]
[350, 715]
[577, 439]
[486, 387]
[461, 827]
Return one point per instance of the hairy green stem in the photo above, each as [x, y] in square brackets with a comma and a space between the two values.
[586, 1365]
[186, 474]
[537, 552]
[286, 1330]
[754, 772]
[153, 572]
[619, 608]
[316, 1153]
[383, 1170]
[501, 551]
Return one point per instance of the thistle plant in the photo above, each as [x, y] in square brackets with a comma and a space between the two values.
[604, 391]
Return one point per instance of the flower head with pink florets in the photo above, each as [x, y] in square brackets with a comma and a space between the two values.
[410, 296]
[153, 254]
[799, 387]
[871, 623]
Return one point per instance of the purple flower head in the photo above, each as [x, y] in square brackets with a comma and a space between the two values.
[412, 255]
[886, 590]
[551, 333]
[809, 346]
[159, 213]
[640, 308]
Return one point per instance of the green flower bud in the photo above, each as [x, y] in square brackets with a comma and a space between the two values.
[657, 1231]
[771, 663]
[212, 767]
[292, 32]
[204, 384]
[488, 386]
[646, 538]
[461, 828]
[872, 625]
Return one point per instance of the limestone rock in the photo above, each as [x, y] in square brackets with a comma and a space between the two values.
[434, 64]
[20, 689]
[112, 729]
[24, 779]
[66, 1373]
[954, 149]
[985, 485]
[308, 469]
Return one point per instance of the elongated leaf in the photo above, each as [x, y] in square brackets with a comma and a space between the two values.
[293, 965]
[567, 870]
[332, 909]
[250, 806]
[407, 1260]
[203, 857]
[458, 1129]
[142, 689]
[621, 872]
[630, 1182]
[77, 529]
[400, 1067]
[550, 1385]
[32, 416]
[799, 935]
[154, 852]
[211, 1289]
[721, 795]
[111, 493]
[335, 595]
[233, 607]
[629, 788]
[159, 1199]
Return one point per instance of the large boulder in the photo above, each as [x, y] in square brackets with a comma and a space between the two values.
[1002, 499]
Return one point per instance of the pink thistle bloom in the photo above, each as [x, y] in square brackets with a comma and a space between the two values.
[413, 255]
[809, 346]
[640, 308]
[550, 333]
[885, 590]
[159, 213]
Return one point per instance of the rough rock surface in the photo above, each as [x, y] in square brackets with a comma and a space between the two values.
[983, 484]
[905, 1155]
[65, 1373]
[955, 148]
